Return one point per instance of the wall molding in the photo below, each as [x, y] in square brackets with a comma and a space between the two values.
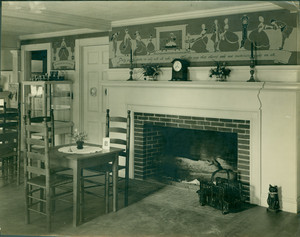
[265, 73]
[261, 6]
[206, 85]
[59, 34]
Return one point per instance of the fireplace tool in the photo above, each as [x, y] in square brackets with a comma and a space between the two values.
[221, 193]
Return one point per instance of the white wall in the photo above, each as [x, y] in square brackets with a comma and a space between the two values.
[8, 43]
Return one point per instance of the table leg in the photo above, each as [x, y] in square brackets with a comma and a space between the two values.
[81, 196]
[76, 195]
[115, 182]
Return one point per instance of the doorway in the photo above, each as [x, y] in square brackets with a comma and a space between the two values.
[40, 54]
[38, 62]
[94, 65]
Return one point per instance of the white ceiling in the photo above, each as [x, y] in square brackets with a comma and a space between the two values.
[21, 18]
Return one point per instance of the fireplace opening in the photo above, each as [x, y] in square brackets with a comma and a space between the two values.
[191, 140]
[188, 155]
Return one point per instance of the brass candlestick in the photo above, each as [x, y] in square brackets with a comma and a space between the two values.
[252, 66]
[131, 67]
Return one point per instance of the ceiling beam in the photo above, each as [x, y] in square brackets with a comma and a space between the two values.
[60, 18]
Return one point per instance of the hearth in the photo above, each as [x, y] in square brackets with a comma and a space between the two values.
[187, 148]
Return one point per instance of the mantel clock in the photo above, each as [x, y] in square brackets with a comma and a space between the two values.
[179, 69]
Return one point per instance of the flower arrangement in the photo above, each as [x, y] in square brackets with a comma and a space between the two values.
[221, 72]
[79, 136]
[151, 70]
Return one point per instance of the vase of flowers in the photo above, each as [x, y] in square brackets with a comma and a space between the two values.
[221, 72]
[79, 138]
[151, 71]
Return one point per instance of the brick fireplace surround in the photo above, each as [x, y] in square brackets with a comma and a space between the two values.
[146, 147]
[265, 116]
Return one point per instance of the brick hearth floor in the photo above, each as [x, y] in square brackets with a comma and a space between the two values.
[154, 210]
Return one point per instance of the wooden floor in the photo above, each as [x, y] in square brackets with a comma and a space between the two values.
[155, 210]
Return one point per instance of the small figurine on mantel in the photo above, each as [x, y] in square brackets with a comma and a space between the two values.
[273, 199]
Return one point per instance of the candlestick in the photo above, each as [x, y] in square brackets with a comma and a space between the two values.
[130, 55]
[131, 67]
[252, 65]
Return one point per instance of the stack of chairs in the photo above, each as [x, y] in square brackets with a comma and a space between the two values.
[10, 151]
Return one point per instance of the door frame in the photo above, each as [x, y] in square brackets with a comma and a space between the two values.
[25, 49]
[78, 84]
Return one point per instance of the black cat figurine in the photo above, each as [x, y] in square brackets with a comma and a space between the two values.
[273, 199]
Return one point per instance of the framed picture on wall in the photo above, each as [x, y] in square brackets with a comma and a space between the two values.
[171, 37]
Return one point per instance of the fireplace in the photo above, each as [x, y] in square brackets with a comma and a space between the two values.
[184, 148]
[264, 115]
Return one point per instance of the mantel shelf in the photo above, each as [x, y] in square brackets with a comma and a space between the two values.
[205, 85]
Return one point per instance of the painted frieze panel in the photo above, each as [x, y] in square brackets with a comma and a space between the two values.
[63, 53]
[205, 41]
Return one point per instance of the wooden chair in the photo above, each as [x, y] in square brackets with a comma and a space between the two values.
[49, 120]
[10, 143]
[40, 183]
[118, 130]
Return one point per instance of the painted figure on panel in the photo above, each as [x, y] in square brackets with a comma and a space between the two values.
[229, 40]
[216, 35]
[200, 43]
[150, 46]
[245, 20]
[126, 44]
[141, 48]
[172, 41]
[63, 52]
[114, 39]
[284, 28]
[204, 40]
[259, 37]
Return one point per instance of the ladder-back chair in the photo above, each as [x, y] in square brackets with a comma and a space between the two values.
[118, 130]
[51, 127]
[40, 183]
[41, 119]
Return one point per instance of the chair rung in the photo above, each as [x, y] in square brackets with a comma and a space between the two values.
[34, 204]
[94, 186]
[35, 198]
[94, 175]
[94, 194]
[30, 209]
[64, 188]
[35, 190]
[63, 194]
[92, 182]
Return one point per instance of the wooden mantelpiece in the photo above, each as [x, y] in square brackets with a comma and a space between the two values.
[273, 109]
[205, 85]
